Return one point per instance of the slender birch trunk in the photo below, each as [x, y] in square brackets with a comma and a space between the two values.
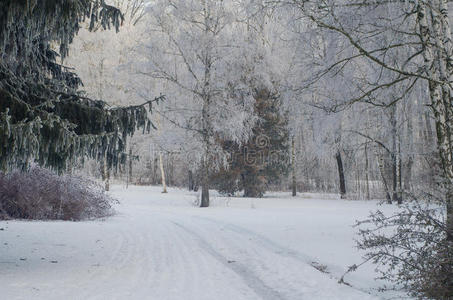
[367, 179]
[437, 54]
[407, 179]
[293, 161]
[162, 173]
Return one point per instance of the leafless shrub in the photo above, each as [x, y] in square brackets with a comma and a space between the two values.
[411, 249]
[40, 194]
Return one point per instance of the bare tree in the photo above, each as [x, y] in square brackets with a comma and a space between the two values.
[386, 50]
[191, 48]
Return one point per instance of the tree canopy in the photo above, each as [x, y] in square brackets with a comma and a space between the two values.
[44, 117]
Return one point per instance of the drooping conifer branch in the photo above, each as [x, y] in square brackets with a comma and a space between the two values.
[43, 116]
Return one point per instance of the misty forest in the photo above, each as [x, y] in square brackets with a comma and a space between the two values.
[226, 149]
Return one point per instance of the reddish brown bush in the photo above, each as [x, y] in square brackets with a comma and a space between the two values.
[40, 194]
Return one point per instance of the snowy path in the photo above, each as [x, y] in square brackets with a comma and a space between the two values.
[159, 247]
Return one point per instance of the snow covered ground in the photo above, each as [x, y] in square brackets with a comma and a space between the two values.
[159, 246]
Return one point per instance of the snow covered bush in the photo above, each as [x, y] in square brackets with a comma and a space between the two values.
[40, 194]
[411, 248]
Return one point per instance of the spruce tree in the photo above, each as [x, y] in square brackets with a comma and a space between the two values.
[266, 156]
[264, 159]
[44, 117]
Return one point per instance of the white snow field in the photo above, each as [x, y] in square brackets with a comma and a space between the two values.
[159, 246]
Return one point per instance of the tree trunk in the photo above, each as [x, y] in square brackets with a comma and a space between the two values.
[130, 165]
[170, 170]
[204, 164]
[450, 217]
[437, 54]
[107, 178]
[162, 173]
[293, 154]
[191, 185]
[155, 172]
[358, 181]
[380, 161]
[428, 132]
[398, 173]
[367, 179]
[341, 175]
[395, 156]
[129, 171]
[205, 114]
[394, 177]
[407, 178]
[407, 183]
[105, 172]
[205, 186]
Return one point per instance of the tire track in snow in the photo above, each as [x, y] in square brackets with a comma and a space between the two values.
[186, 271]
[173, 255]
[252, 281]
[335, 272]
[290, 279]
[156, 260]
